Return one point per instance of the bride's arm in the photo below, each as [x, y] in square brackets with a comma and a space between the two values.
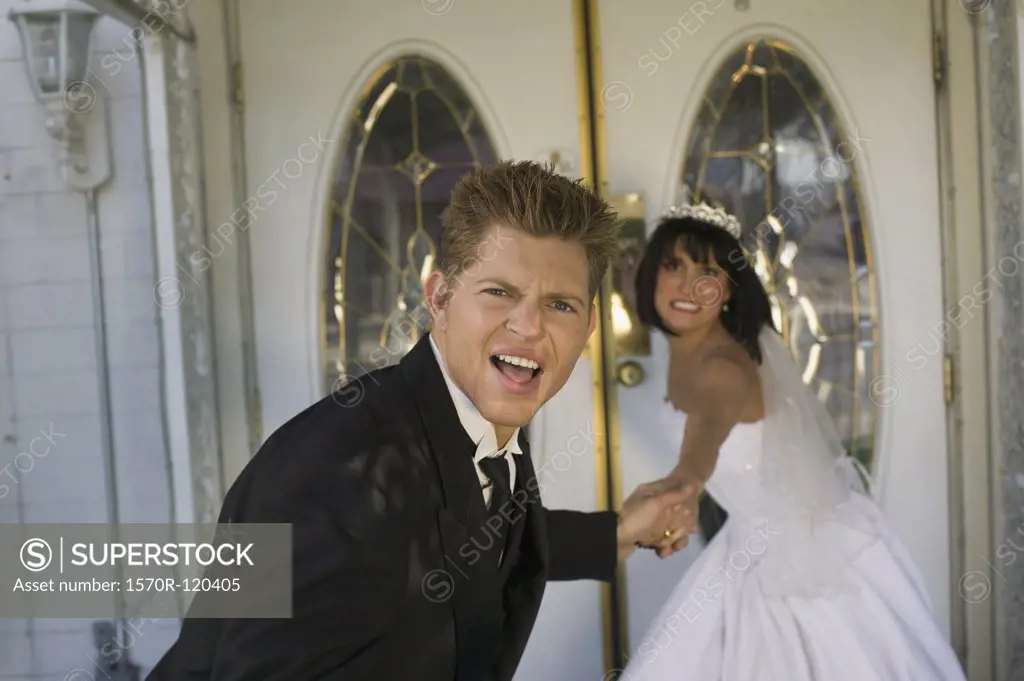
[722, 389]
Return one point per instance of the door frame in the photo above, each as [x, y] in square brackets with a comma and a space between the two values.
[224, 163]
[968, 398]
[607, 449]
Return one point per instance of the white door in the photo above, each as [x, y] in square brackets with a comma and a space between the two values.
[830, 129]
[498, 71]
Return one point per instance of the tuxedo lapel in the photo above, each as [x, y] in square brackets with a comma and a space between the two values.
[524, 586]
[453, 449]
[523, 500]
[532, 539]
[475, 595]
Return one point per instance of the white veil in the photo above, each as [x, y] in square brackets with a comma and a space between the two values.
[811, 486]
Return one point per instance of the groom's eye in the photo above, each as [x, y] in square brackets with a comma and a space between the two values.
[563, 306]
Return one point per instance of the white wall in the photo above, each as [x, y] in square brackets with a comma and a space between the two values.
[48, 376]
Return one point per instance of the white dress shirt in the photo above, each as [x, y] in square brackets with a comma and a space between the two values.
[480, 431]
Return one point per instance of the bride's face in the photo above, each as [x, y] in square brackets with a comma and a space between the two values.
[690, 294]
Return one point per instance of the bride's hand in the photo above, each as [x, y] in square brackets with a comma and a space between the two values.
[677, 479]
[683, 522]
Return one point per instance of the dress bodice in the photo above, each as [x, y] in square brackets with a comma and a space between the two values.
[736, 482]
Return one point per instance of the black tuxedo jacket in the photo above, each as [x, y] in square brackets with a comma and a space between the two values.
[387, 519]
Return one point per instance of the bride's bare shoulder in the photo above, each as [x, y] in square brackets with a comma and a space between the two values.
[729, 360]
[729, 373]
[721, 369]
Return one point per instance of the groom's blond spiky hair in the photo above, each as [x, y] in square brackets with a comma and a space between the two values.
[533, 198]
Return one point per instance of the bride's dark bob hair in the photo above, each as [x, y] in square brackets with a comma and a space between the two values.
[749, 309]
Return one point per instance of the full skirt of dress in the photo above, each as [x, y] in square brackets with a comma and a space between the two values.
[723, 623]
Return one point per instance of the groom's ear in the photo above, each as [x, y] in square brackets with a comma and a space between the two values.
[437, 294]
[593, 318]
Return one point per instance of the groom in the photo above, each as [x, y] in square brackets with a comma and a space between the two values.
[421, 548]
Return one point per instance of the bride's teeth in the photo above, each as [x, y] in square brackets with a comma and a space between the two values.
[519, 361]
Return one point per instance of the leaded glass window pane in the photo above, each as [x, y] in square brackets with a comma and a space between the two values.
[409, 139]
[768, 141]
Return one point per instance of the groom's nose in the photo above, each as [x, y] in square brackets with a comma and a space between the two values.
[526, 320]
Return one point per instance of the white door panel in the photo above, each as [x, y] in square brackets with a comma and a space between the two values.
[517, 63]
[657, 64]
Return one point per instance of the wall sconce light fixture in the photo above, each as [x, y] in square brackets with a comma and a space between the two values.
[56, 36]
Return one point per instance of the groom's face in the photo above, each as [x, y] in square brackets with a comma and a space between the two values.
[512, 325]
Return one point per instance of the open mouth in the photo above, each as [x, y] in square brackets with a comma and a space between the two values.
[684, 306]
[520, 371]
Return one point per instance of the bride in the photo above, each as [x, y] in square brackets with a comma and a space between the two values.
[805, 581]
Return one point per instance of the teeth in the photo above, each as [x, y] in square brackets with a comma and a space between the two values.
[519, 361]
[680, 305]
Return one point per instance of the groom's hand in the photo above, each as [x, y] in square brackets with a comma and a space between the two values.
[658, 517]
[686, 516]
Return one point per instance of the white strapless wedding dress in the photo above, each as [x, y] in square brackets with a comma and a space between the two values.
[723, 623]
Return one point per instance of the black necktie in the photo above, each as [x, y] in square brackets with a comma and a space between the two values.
[496, 470]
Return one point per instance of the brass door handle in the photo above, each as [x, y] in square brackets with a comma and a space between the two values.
[630, 373]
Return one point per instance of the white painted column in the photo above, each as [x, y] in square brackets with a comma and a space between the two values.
[182, 291]
[1004, 236]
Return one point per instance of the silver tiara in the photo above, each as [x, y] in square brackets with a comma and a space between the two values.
[705, 213]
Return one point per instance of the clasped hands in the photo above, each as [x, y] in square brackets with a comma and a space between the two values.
[660, 515]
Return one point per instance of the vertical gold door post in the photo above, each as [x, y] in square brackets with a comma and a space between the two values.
[594, 166]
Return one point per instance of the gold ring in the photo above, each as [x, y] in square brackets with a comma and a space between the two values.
[668, 533]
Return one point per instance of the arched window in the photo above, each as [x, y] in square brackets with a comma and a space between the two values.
[767, 141]
[412, 134]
